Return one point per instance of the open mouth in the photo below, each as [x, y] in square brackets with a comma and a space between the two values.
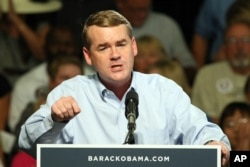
[116, 67]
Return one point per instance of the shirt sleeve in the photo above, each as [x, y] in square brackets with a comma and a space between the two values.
[191, 125]
[40, 126]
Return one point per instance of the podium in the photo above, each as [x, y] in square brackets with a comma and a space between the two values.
[74, 155]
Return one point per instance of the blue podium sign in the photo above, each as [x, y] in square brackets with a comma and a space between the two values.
[72, 155]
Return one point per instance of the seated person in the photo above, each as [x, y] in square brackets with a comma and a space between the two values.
[152, 58]
[222, 82]
[150, 50]
[59, 70]
[60, 40]
[172, 70]
[235, 122]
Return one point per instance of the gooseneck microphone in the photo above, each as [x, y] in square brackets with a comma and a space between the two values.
[131, 113]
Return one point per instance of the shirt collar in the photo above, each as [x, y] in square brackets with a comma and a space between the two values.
[103, 90]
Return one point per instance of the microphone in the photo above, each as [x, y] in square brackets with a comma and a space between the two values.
[131, 112]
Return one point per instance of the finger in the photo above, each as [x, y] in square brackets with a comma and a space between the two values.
[61, 107]
[76, 108]
[225, 154]
[224, 162]
[56, 114]
[73, 106]
[69, 113]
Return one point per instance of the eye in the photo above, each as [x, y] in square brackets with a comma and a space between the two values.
[102, 48]
[121, 43]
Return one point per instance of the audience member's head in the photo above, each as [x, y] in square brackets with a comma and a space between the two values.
[237, 46]
[234, 122]
[62, 68]
[172, 70]
[238, 11]
[150, 51]
[136, 11]
[60, 40]
[59, 69]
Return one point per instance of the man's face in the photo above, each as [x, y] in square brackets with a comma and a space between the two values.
[111, 52]
[237, 45]
[136, 11]
[235, 126]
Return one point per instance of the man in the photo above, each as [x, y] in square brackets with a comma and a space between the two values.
[90, 109]
[208, 30]
[59, 69]
[59, 41]
[220, 83]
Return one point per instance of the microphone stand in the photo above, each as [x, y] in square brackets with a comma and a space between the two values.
[131, 114]
[130, 139]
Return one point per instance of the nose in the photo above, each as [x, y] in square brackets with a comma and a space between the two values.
[236, 128]
[114, 53]
[239, 44]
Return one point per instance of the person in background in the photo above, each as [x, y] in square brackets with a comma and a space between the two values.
[145, 21]
[235, 122]
[59, 69]
[59, 41]
[5, 91]
[150, 50]
[172, 70]
[222, 82]
[21, 43]
[94, 105]
[239, 10]
[152, 58]
[209, 29]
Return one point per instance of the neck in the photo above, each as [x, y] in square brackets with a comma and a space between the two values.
[119, 88]
[242, 71]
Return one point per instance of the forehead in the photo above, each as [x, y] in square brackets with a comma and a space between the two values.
[238, 29]
[237, 113]
[106, 34]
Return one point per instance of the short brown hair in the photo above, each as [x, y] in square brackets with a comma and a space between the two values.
[239, 11]
[106, 18]
[54, 65]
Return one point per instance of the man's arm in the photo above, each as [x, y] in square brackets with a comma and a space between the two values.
[199, 48]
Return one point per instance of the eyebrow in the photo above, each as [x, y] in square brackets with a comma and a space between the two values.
[117, 42]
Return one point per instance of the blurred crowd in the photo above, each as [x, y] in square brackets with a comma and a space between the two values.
[202, 45]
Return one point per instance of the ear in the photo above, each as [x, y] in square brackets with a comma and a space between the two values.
[134, 46]
[87, 56]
